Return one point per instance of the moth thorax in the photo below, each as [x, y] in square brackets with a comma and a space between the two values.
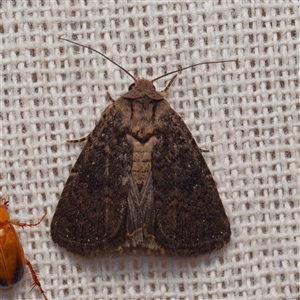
[141, 159]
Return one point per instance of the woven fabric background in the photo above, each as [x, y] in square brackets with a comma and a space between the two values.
[247, 114]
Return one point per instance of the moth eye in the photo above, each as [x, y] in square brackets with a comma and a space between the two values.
[131, 86]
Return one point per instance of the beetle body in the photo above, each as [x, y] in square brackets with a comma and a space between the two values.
[12, 258]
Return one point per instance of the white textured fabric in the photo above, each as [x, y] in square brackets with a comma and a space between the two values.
[246, 114]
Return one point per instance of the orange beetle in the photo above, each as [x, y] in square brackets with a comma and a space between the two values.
[12, 259]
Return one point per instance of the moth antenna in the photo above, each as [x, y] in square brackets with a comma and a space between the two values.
[203, 63]
[75, 43]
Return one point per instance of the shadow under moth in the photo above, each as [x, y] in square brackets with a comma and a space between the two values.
[140, 180]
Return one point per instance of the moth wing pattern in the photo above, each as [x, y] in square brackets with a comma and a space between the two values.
[91, 213]
[140, 180]
[190, 218]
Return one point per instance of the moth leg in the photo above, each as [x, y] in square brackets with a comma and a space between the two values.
[79, 140]
[203, 150]
[165, 91]
[16, 223]
[109, 97]
[35, 278]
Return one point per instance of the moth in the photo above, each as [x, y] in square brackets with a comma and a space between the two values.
[140, 180]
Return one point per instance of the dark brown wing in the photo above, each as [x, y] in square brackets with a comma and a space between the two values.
[91, 213]
[190, 217]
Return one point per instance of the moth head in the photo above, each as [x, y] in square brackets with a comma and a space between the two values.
[142, 83]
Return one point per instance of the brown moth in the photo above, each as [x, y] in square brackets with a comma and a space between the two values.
[140, 180]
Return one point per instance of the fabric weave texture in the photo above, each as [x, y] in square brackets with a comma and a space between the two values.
[247, 114]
